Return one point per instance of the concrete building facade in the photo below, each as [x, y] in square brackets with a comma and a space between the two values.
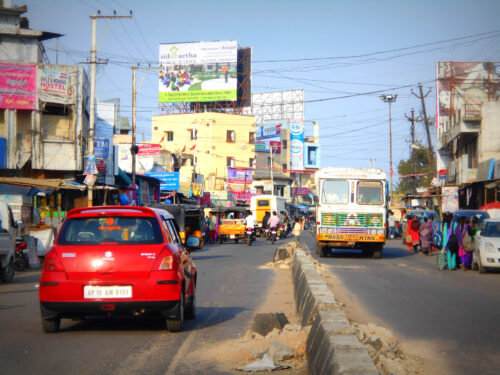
[213, 141]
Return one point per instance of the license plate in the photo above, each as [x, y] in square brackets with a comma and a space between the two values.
[249, 232]
[232, 236]
[91, 291]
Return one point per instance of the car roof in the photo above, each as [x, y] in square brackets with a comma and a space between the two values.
[117, 210]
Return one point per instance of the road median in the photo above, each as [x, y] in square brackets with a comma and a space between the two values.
[332, 345]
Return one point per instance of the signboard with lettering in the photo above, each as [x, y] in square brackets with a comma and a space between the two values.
[17, 86]
[101, 148]
[170, 180]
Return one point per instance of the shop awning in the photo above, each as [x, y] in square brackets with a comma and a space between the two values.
[47, 183]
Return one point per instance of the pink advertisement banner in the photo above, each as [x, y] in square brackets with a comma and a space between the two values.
[18, 86]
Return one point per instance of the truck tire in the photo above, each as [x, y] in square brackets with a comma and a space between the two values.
[377, 251]
[7, 274]
[322, 251]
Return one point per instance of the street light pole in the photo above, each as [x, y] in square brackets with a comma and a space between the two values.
[389, 98]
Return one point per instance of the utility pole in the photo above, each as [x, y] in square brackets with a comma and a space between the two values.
[271, 168]
[427, 126]
[389, 98]
[412, 119]
[133, 149]
[93, 52]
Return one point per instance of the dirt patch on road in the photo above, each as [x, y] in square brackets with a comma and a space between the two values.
[417, 357]
[232, 354]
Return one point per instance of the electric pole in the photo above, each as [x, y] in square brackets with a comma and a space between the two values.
[412, 119]
[427, 126]
[93, 52]
[133, 149]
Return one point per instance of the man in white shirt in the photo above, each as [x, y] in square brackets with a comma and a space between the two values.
[250, 220]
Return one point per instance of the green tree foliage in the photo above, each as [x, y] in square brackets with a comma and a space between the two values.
[423, 164]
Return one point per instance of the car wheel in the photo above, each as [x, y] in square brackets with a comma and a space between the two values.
[190, 312]
[8, 271]
[177, 324]
[51, 325]
[236, 241]
[480, 265]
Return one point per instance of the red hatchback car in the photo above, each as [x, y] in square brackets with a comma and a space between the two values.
[118, 260]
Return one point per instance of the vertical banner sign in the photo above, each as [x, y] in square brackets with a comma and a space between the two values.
[449, 199]
[239, 181]
[296, 145]
[18, 86]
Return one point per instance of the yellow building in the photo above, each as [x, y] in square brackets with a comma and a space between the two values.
[215, 141]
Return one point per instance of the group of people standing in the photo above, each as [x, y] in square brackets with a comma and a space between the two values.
[420, 234]
[458, 239]
[454, 238]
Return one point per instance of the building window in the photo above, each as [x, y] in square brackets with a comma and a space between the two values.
[251, 137]
[284, 168]
[268, 161]
[194, 133]
[251, 163]
[284, 144]
[230, 136]
[169, 136]
[230, 161]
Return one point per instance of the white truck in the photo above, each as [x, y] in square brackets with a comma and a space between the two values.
[7, 242]
[351, 211]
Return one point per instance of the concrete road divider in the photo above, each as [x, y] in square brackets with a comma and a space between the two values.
[332, 345]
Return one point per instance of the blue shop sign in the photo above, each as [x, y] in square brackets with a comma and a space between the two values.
[101, 148]
[170, 180]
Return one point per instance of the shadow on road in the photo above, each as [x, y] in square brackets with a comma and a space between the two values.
[205, 317]
[204, 257]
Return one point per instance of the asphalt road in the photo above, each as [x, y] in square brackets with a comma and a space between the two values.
[230, 288]
[457, 312]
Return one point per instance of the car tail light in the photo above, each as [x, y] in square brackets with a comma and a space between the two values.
[52, 263]
[165, 262]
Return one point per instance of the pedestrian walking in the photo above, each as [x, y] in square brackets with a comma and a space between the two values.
[211, 228]
[425, 233]
[460, 232]
[391, 221]
[297, 229]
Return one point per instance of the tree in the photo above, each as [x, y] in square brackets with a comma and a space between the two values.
[423, 164]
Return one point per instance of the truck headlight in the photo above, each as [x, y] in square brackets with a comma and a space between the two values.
[380, 231]
[489, 248]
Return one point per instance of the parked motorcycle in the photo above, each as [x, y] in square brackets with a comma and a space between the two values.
[250, 236]
[21, 260]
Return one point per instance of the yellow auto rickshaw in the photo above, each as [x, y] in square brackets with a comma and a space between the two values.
[231, 223]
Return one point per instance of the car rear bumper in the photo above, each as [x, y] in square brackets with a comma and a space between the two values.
[79, 309]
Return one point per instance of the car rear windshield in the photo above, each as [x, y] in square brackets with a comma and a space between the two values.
[114, 229]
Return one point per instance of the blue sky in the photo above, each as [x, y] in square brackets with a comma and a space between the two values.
[328, 34]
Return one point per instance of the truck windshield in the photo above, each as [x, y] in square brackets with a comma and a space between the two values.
[335, 192]
[370, 192]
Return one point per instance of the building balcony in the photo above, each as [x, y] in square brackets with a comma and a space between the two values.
[465, 121]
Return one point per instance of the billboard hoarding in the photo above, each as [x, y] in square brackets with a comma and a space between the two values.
[198, 72]
[18, 86]
[269, 137]
[296, 145]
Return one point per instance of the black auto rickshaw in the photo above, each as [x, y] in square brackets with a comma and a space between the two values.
[189, 217]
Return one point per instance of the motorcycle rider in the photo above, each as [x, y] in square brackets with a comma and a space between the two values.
[273, 221]
[251, 221]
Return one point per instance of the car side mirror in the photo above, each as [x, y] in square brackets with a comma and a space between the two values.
[192, 242]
